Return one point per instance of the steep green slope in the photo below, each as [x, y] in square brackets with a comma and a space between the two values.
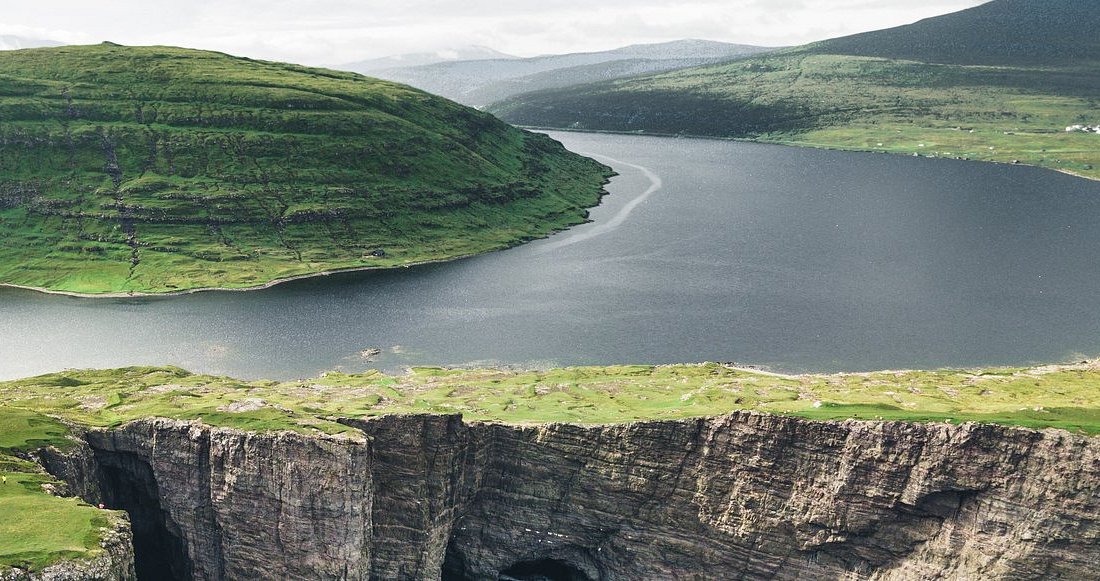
[854, 93]
[1003, 32]
[157, 169]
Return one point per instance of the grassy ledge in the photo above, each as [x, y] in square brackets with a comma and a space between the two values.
[38, 529]
[158, 170]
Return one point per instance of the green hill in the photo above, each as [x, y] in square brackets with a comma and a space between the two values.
[1003, 32]
[156, 169]
[999, 82]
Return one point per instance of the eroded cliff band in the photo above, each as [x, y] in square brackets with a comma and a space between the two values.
[743, 496]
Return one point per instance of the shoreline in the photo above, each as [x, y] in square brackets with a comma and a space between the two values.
[800, 145]
[258, 287]
[336, 271]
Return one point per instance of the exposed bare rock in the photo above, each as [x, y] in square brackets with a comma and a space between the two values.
[245, 405]
[745, 496]
[225, 504]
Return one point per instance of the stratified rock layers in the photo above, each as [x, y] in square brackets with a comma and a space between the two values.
[745, 496]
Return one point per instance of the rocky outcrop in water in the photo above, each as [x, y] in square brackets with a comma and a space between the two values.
[745, 496]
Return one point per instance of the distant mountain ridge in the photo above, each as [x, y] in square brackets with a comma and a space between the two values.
[465, 53]
[482, 82]
[13, 42]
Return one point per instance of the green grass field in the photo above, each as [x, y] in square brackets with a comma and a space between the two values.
[37, 528]
[157, 169]
[1065, 397]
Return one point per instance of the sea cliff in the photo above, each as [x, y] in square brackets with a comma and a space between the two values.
[747, 495]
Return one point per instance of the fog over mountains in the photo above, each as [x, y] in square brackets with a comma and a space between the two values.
[464, 53]
[12, 42]
[480, 81]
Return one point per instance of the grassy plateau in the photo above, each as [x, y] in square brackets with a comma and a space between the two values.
[1066, 397]
[1000, 82]
[154, 169]
[37, 528]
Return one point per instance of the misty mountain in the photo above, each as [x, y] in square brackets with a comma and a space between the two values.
[481, 82]
[12, 42]
[418, 59]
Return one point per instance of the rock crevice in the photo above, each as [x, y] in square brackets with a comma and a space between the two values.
[744, 496]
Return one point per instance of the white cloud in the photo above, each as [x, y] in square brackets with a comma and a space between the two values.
[334, 31]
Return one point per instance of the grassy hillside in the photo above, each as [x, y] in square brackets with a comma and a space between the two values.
[161, 169]
[1066, 397]
[1003, 32]
[875, 93]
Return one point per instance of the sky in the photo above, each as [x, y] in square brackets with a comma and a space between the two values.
[329, 32]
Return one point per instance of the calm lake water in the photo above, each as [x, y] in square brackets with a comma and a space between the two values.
[796, 259]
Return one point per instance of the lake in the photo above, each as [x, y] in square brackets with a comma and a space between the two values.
[705, 250]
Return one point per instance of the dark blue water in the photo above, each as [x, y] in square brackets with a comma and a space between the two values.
[796, 259]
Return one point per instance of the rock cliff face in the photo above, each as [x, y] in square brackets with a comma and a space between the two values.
[744, 496]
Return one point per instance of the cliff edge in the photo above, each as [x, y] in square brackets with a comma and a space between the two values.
[748, 495]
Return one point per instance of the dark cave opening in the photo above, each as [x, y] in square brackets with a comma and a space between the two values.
[127, 483]
[457, 568]
[543, 570]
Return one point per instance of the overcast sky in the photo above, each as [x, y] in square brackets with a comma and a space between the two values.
[338, 31]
